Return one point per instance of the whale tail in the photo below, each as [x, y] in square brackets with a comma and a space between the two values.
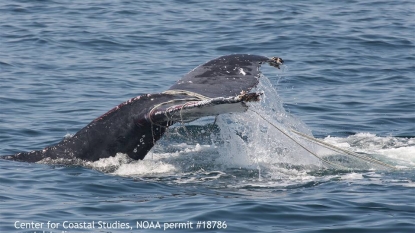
[219, 86]
[124, 129]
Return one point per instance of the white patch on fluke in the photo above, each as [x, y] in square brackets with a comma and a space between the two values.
[241, 71]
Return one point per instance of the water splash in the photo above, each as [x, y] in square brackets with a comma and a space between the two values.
[249, 141]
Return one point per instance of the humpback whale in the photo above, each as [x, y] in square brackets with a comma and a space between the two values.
[219, 86]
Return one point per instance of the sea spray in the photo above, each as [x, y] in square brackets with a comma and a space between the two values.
[248, 141]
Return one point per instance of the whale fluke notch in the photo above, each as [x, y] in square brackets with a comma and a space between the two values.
[219, 86]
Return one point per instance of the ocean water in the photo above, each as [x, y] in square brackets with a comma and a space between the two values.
[348, 78]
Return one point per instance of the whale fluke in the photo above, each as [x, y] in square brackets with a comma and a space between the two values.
[219, 86]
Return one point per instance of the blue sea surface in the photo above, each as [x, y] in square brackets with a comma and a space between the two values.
[348, 77]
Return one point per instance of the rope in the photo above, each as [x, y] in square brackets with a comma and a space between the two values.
[326, 145]
[193, 97]
[184, 92]
[302, 146]
[337, 149]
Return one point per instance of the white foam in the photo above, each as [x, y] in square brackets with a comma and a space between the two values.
[352, 176]
[117, 160]
[122, 165]
[397, 150]
[409, 184]
[155, 162]
[144, 167]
